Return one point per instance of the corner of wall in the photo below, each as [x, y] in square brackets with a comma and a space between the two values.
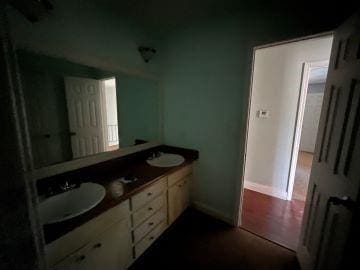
[202, 207]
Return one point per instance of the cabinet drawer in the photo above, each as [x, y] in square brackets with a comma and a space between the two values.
[180, 174]
[149, 224]
[149, 239]
[148, 194]
[148, 210]
[79, 237]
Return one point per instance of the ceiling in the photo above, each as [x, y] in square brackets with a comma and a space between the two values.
[162, 16]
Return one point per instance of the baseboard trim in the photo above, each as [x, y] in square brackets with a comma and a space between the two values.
[265, 190]
[298, 197]
[212, 212]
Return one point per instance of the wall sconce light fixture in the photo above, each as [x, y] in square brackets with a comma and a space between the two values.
[33, 10]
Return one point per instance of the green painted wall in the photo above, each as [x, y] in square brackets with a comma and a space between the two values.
[203, 107]
[206, 75]
[139, 105]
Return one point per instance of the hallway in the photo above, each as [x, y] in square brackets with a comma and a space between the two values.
[302, 175]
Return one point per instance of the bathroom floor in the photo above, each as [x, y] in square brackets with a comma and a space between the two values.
[197, 241]
[276, 219]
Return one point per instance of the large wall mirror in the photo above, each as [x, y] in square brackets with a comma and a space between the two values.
[75, 110]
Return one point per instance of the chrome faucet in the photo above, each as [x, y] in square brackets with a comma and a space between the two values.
[66, 186]
[155, 155]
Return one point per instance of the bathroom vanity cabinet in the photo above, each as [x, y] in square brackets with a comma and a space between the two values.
[102, 243]
[116, 238]
[149, 215]
[109, 250]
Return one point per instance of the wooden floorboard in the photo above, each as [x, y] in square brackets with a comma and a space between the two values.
[273, 218]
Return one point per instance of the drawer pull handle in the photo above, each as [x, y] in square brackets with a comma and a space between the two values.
[149, 194]
[151, 238]
[98, 245]
[150, 209]
[151, 223]
[80, 258]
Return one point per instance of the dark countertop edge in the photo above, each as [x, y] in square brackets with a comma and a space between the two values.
[150, 182]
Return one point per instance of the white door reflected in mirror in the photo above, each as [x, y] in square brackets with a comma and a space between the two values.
[92, 112]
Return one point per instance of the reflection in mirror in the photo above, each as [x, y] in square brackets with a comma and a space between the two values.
[74, 110]
[111, 120]
[92, 114]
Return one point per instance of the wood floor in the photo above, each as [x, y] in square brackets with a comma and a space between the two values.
[197, 241]
[276, 219]
[273, 218]
[302, 175]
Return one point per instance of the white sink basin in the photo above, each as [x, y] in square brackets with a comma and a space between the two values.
[166, 160]
[71, 203]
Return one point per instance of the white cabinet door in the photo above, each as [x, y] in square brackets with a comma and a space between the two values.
[112, 250]
[178, 198]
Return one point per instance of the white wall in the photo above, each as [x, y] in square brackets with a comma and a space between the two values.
[311, 118]
[110, 103]
[276, 85]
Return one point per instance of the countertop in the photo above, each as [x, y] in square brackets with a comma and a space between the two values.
[116, 191]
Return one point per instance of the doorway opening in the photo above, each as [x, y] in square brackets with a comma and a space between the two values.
[110, 126]
[288, 82]
[308, 124]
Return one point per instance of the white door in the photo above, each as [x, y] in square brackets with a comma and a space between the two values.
[333, 193]
[83, 98]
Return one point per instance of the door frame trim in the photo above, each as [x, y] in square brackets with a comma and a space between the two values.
[299, 121]
[243, 149]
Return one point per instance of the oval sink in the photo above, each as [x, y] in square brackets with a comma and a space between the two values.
[70, 203]
[166, 160]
